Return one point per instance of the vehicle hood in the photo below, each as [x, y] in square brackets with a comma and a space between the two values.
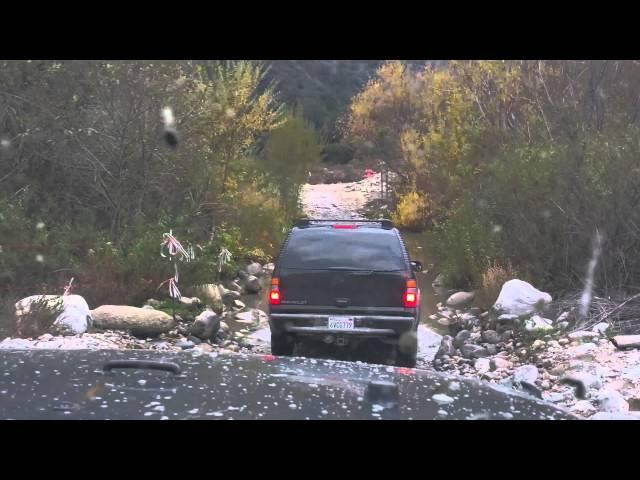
[55, 384]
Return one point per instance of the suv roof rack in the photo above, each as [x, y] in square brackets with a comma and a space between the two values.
[308, 222]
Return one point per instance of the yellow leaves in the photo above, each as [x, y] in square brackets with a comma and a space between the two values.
[412, 211]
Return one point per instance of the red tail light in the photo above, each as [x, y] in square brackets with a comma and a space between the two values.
[411, 294]
[345, 226]
[274, 293]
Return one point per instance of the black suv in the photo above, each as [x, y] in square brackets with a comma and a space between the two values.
[344, 282]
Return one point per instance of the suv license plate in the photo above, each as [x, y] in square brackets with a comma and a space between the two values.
[341, 323]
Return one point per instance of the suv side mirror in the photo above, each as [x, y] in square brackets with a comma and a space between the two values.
[416, 266]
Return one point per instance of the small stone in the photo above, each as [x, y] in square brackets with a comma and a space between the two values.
[508, 317]
[238, 304]
[460, 299]
[538, 344]
[254, 269]
[523, 352]
[184, 344]
[205, 347]
[498, 363]
[562, 326]
[582, 334]
[506, 335]
[461, 337]
[473, 351]
[600, 328]
[545, 384]
[525, 373]
[564, 341]
[446, 346]
[482, 365]
[252, 284]
[584, 350]
[583, 407]
[490, 336]
[492, 349]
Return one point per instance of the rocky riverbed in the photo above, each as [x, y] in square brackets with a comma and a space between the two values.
[581, 370]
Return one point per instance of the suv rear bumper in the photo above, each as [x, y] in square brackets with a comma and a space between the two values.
[310, 324]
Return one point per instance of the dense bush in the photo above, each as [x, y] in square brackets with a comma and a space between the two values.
[521, 161]
[88, 186]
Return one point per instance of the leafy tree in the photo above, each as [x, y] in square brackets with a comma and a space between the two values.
[290, 152]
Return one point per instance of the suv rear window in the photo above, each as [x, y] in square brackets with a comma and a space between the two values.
[357, 249]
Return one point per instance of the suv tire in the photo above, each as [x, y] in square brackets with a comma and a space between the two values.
[282, 344]
[407, 351]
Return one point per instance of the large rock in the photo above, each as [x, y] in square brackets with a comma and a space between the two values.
[612, 402]
[211, 296]
[627, 341]
[191, 303]
[525, 373]
[228, 296]
[520, 298]
[460, 299]
[254, 269]
[23, 307]
[205, 325]
[586, 380]
[73, 319]
[252, 284]
[268, 268]
[137, 321]
[253, 316]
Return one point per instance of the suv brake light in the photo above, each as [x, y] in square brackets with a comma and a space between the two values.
[274, 293]
[411, 294]
[344, 227]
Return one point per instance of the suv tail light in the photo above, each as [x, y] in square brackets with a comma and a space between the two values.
[274, 293]
[411, 294]
[345, 227]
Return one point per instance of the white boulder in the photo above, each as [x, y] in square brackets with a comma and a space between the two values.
[73, 319]
[520, 298]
